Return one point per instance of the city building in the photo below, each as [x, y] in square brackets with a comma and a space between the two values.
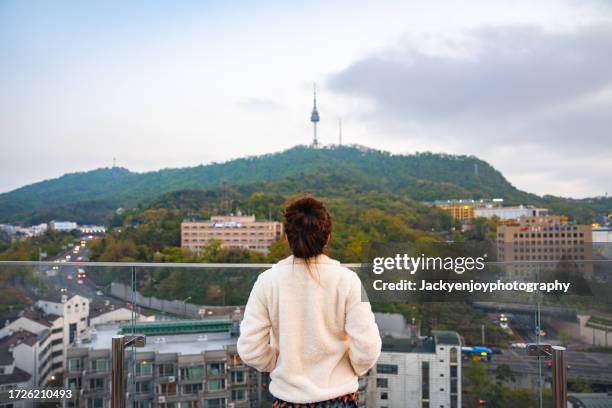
[184, 364]
[465, 210]
[551, 240]
[16, 232]
[510, 213]
[66, 226]
[15, 372]
[57, 322]
[416, 372]
[234, 231]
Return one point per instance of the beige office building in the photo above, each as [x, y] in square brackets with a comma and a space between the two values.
[235, 231]
[548, 241]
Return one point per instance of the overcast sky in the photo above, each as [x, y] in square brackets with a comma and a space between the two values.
[524, 85]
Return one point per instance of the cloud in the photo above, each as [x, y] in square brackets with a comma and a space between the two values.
[518, 86]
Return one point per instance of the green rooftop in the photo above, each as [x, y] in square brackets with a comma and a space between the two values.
[178, 327]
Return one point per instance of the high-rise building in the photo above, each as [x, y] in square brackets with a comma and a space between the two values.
[241, 232]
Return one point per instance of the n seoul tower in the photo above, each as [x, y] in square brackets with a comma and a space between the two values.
[314, 117]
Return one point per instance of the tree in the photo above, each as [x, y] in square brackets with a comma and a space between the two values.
[503, 373]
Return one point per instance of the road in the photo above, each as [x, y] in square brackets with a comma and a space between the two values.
[589, 367]
[65, 280]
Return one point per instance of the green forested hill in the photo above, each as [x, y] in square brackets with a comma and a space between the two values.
[92, 196]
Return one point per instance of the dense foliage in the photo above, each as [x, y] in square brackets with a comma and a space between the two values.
[92, 196]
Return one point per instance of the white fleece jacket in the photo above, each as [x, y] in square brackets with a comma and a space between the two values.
[314, 339]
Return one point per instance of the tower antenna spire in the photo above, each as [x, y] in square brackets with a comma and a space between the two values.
[314, 116]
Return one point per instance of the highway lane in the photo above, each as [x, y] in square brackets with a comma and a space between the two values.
[591, 367]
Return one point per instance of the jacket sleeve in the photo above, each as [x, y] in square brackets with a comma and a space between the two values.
[254, 342]
[363, 335]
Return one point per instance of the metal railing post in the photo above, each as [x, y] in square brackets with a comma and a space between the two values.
[117, 372]
[119, 343]
[559, 377]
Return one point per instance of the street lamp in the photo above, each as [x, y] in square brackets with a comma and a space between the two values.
[185, 303]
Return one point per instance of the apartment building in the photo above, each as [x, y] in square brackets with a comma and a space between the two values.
[55, 322]
[234, 231]
[14, 371]
[418, 372]
[184, 364]
[549, 241]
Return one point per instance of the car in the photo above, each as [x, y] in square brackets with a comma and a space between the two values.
[79, 259]
[68, 257]
[518, 345]
[99, 293]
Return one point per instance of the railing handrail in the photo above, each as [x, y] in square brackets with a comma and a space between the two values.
[251, 265]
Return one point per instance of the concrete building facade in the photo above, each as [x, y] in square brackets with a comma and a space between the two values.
[179, 367]
[240, 232]
[552, 241]
[418, 372]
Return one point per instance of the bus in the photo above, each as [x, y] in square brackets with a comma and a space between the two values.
[477, 353]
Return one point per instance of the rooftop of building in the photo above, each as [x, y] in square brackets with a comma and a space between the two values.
[420, 344]
[38, 316]
[228, 220]
[12, 340]
[178, 327]
[186, 344]
[16, 377]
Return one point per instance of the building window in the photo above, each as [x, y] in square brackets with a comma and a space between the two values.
[239, 395]
[144, 368]
[144, 387]
[95, 403]
[99, 364]
[238, 377]
[215, 385]
[74, 364]
[74, 383]
[425, 380]
[384, 395]
[192, 388]
[167, 389]
[386, 368]
[96, 384]
[214, 403]
[382, 382]
[165, 370]
[192, 373]
[216, 368]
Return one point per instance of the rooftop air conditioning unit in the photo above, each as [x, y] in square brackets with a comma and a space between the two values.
[171, 379]
[162, 399]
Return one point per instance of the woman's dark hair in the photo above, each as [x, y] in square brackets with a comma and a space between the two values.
[308, 226]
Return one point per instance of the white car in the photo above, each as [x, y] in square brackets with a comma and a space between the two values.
[99, 293]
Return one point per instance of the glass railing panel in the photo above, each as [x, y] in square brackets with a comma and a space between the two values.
[190, 316]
